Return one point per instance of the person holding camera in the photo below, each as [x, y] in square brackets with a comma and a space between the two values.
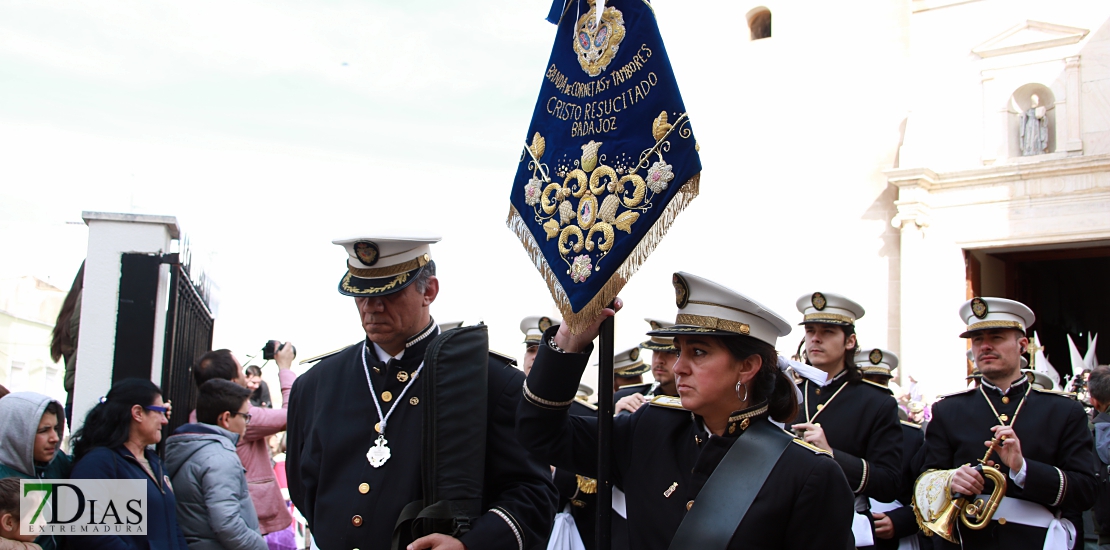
[253, 450]
[260, 391]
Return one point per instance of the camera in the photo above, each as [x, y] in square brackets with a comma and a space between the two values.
[272, 347]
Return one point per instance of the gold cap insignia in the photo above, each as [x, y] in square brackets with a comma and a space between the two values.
[655, 325]
[634, 354]
[876, 356]
[818, 301]
[681, 290]
[978, 308]
[367, 253]
[544, 324]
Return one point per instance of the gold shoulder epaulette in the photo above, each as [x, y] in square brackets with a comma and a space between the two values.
[668, 402]
[877, 385]
[507, 358]
[910, 424]
[1069, 395]
[955, 393]
[587, 485]
[323, 356]
[814, 448]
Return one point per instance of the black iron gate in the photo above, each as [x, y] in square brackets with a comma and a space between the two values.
[188, 337]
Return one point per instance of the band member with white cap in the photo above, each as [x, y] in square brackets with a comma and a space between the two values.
[1039, 442]
[707, 470]
[663, 357]
[895, 524]
[355, 458]
[855, 421]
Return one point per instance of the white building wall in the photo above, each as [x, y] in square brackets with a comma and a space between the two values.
[110, 236]
[962, 184]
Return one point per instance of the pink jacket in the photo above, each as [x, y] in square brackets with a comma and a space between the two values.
[254, 453]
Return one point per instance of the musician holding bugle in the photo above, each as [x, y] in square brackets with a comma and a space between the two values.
[1033, 442]
[706, 470]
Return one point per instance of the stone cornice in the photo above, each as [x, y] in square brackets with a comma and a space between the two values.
[917, 187]
[928, 180]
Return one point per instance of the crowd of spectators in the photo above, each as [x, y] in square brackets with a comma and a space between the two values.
[216, 489]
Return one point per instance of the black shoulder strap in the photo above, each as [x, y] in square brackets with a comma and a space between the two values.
[728, 493]
[453, 454]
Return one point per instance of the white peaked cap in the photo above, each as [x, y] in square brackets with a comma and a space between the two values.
[991, 313]
[829, 308]
[705, 307]
[533, 327]
[876, 361]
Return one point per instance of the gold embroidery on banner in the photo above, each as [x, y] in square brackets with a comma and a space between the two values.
[594, 201]
[579, 320]
[596, 43]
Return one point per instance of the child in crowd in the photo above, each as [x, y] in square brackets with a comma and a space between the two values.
[10, 539]
[214, 507]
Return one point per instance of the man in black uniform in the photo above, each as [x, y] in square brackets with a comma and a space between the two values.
[894, 521]
[856, 421]
[663, 357]
[1043, 450]
[360, 405]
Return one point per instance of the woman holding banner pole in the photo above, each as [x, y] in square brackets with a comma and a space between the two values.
[706, 470]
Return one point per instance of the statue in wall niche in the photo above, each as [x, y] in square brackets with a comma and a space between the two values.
[1034, 128]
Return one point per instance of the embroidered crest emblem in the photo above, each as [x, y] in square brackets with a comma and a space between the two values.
[544, 324]
[979, 308]
[655, 325]
[597, 42]
[876, 356]
[367, 253]
[595, 200]
[634, 354]
[818, 300]
[681, 290]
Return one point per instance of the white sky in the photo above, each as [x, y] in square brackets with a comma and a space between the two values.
[270, 128]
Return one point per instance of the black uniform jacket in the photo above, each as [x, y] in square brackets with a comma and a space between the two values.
[583, 506]
[904, 520]
[1055, 443]
[662, 457]
[331, 427]
[862, 427]
[641, 389]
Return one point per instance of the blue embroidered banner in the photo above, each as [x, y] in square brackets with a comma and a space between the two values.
[609, 160]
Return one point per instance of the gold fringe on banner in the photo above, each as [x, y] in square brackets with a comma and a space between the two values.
[577, 321]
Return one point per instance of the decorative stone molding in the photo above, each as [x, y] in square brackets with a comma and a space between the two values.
[926, 5]
[1028, 36]
[914, 185]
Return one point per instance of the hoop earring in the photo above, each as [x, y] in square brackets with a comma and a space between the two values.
[738, 386]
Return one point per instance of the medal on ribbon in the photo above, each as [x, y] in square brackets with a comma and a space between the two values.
[609, 160]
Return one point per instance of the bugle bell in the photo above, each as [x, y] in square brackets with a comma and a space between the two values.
[938, 513]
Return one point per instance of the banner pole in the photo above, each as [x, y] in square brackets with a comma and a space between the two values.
[604, 436]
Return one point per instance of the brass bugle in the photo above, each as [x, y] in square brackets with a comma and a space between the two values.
[978, 514]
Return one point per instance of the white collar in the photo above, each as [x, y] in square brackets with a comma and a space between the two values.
[385, 357]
